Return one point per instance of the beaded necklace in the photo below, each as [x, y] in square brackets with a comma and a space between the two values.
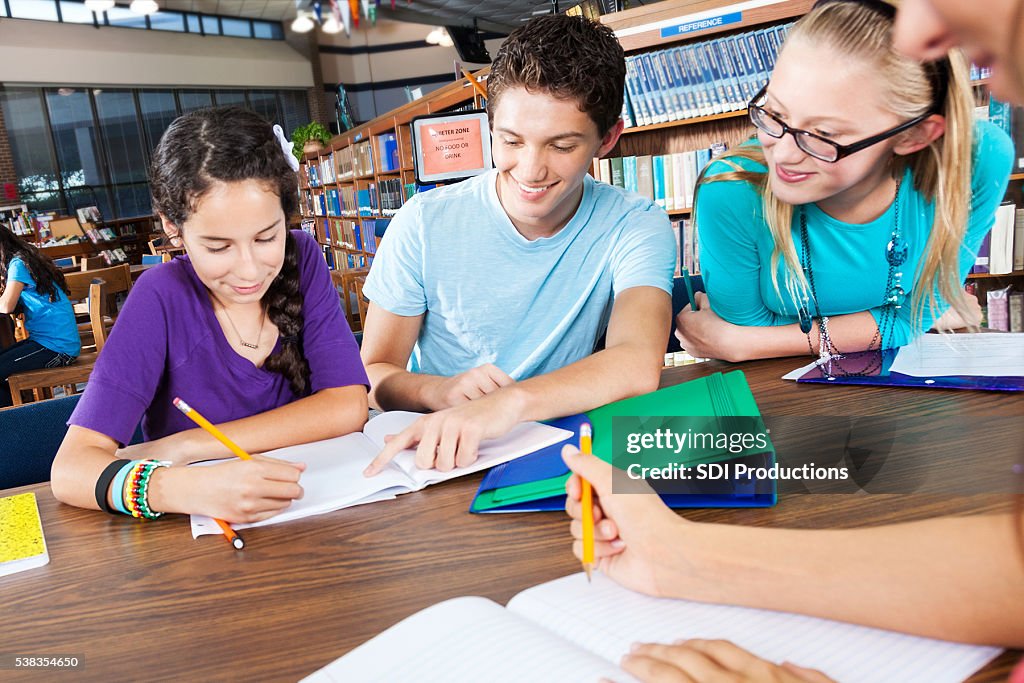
[896, 252]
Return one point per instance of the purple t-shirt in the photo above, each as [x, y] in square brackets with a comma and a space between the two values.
[167, 343]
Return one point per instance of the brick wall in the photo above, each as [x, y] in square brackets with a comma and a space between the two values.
[7, 173]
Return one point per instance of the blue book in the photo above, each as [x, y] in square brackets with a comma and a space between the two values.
[760, 70]
[654, 101]
[690, 108]
[629, 176]
[768, 50]
[636, 92]
[658, 174]
[728, 70]
[699, 80]
[711, 79]
[677, 109]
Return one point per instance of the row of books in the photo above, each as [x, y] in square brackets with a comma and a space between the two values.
[699, 79]
[387, 152]
[1002, 251]
[19, 220]
[1004, 310]
[357, 235]
[340, 259]
[667, 179]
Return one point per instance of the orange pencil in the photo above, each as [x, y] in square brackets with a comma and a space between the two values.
[233, 538]
[587, 501]
[475, 83]
[230, 534]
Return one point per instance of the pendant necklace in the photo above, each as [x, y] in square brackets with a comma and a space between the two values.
[263, 318]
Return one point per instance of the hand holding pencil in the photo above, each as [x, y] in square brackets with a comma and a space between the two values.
[636, 538]
[254, 489]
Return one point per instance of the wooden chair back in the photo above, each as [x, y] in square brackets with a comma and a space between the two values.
[93, 262]
[117, 278]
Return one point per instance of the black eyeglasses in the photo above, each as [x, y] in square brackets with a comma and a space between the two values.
[815, 145]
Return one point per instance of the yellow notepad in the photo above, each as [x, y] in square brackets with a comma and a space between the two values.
[22, 545]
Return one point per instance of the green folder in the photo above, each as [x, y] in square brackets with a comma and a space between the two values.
[719, 395]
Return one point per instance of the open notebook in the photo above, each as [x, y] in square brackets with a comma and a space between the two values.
[569, 630]
[334, 468]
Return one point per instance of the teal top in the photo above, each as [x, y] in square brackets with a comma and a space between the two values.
[848, 259]
[49, 323]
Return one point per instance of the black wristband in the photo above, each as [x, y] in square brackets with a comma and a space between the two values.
[103, 484]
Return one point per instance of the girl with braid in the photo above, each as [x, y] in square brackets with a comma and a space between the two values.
[246, 327]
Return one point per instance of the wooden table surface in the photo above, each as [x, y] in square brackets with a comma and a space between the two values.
[146, 600]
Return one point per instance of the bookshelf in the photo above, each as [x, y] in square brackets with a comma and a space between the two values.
[356, 183]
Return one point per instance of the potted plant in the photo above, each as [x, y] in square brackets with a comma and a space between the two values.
[309, 138]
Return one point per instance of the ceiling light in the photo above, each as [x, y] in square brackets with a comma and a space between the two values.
[98, 5]
[144, 6]
[303, 23]
[331, 25]
[439, 36]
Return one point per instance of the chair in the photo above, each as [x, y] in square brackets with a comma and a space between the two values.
[93, 262]
[361, 301]
[67, 262]
[41, 382]
[32, 435]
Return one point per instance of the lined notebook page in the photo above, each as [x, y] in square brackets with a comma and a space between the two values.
[606, 619]
[467, 640]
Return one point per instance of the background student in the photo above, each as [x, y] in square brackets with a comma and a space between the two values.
[487, 297]
[854, 220]
[247, 328]
[30, 283]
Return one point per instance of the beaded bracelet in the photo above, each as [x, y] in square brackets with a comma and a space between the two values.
[137, 488]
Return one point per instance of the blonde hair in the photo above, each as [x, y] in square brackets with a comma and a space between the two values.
[941, 171]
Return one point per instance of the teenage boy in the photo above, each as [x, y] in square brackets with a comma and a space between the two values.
[487, 297]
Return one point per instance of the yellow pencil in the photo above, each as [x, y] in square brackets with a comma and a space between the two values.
[587, 501]
[194, 415]
[191, 413]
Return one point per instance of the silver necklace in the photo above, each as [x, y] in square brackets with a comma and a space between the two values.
[263, 319]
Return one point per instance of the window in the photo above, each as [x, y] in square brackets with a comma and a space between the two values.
[239, 28]
[124, 17]
[44, 10]
[122, 139]
[167, 21]
[296, 110]
[158, 110]
[30, 147]
[266, 29]
[264, 103]
[194, 99]
[211, 26]
[192, 21]
[90, 147]
[74, 12]
[75, 140]
[235, 97]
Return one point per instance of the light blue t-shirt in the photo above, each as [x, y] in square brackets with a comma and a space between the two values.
[492, 296]
[848, 260]
[49, 323]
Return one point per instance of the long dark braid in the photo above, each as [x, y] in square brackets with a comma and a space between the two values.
[47, 276]
[284, 308]
[230, 144]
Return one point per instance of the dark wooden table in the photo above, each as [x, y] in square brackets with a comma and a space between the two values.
[144, 599]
